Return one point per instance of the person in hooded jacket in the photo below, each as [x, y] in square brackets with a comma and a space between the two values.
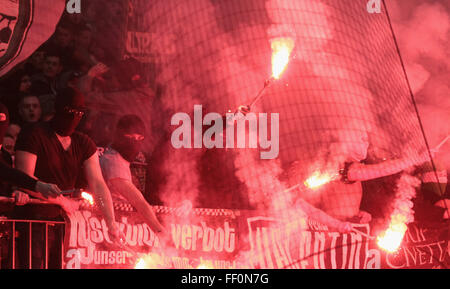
[340, 196]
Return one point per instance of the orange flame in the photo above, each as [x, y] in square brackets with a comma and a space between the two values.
[282, 48]
[317, 180]
[204, 266]
[391, 239]
[149, 261]
[88, 197]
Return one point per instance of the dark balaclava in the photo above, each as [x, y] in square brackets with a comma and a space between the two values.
[128, 148]
[4, 121]
[68, 102]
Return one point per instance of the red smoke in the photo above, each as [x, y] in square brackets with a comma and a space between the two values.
[422, 28]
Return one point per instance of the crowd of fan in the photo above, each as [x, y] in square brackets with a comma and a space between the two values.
[73, 57]
[47, 96]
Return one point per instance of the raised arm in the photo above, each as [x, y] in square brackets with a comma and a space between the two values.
[85, 82]
[362, 172]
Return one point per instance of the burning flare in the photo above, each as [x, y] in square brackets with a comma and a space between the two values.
[282, 48]
[317, 180]
[149, 261]
[88, 197]
[203, 266]
[141, 264]
[391, 239]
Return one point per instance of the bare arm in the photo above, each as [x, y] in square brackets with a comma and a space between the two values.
[137, 200]
[98, 187]
[85, 82]
[323, 217]
[26, 162]
[361, 172]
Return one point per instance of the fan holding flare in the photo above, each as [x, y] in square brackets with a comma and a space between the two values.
[334, 182]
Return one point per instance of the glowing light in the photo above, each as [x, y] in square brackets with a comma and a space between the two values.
[88, 197]
[391, 239]
[204, 266]
[149, 261]
[141, 264]
[317, 180]
[282, 48]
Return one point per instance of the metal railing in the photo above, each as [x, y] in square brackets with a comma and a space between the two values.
[13, 231]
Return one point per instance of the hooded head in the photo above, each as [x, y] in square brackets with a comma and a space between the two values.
[4, 121]
[356, 147]
[349, 145]
[69, 109]
[129, 137]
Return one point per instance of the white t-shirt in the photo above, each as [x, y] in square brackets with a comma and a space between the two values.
[114, 166]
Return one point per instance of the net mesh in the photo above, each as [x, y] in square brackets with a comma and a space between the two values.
[343, 99]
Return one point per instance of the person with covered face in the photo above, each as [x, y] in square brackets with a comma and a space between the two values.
[55, 152]
[344, 196]
[340, 196]
[115, 163]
